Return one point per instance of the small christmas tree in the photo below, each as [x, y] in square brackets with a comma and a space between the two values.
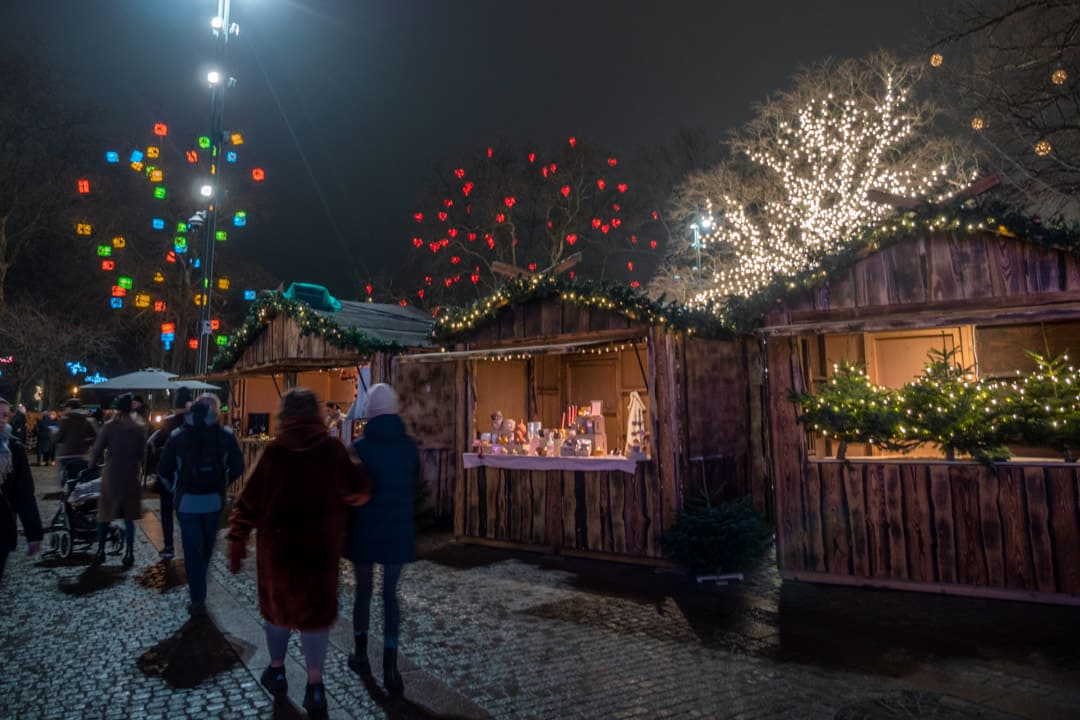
[849, 408]
[1047, 405]
[948, 406]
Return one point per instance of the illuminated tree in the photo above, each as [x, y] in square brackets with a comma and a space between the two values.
[529, 209]
[819, 163]
[1010, 69]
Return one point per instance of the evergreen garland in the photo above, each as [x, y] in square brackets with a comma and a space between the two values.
[746, 313]
[621, 299]
[311, 322]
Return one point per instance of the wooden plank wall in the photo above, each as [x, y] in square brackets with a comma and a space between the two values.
[939, 270]
[721, 383]
[541, 320]
[428, 393]
[281, 339]
[604, 512]
[787, 448]
[937, 523]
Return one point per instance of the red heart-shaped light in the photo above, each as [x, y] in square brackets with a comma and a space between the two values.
[467, 188]
[595, 223]
[417, 242]
[509, 201]
[622, 187]
[501, 217]
[419, 217]
[455, 260]
[565, 190]
[571, 238]
[532, 267]
[460, 172]
[442, 216]
[600, 184]
[652, 244]
[612, 162]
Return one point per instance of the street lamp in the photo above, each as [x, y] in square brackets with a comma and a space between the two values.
[222, 29]
[704, 224]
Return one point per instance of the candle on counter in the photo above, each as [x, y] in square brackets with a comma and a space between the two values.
[562, 426]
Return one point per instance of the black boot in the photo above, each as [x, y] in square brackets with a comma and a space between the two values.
[358, 661]
[391, 677]
[129, 557]
[99, 556]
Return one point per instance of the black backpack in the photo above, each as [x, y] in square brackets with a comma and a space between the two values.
[203, 471]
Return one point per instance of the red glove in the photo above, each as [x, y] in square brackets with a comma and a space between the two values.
[237, 553]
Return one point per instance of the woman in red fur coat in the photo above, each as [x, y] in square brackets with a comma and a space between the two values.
[295, 500]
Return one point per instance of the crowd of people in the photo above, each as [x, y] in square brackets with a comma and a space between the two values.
[309, 499]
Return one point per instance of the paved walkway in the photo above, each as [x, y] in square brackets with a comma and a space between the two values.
[487, 633]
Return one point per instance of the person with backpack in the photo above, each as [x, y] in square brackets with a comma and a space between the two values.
[154, 447]
[199, 462]
[120, 446]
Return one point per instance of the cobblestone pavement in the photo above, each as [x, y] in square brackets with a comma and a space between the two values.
[487, 633]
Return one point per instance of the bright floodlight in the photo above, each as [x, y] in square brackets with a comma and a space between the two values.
[213, 77]
[206, 190]
[217, 23]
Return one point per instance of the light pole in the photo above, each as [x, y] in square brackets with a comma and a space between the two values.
[704, 224]
[218, 80]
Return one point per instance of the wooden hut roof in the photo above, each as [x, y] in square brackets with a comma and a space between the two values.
[939, 277]
[357, 328]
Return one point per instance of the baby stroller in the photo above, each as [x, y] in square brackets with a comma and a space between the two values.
[75, 521]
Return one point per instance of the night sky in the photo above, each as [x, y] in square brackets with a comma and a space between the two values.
[349, 104]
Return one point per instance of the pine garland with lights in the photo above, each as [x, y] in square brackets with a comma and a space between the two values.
[311, 322]
[616, 298]
[849, 408]
[744, 313]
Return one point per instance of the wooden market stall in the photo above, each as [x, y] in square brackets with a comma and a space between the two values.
[924, 523]
[541, 350]
[315, 341]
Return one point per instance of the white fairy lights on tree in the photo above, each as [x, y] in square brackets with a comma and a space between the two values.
[815, 156]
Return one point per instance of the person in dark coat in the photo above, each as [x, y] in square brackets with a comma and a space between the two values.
[383, 531]
[154, 447]
[18, 424]
[16, 494]
[120, 446]
[296, 499]
[46, 443]
[204, 453]
[74, 439]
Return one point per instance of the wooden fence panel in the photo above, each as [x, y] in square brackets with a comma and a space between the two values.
[1063, 505]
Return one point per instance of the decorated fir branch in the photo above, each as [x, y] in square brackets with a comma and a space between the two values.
[1043, 407]
[617, 298]
[266, 308]
[948, 406]
[849, 408]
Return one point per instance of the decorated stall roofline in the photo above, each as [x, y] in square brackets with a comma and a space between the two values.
[634, 304]
[311, 322]
[745, 314]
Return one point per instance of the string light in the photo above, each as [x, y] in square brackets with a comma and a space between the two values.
[936, 60]
[1059, 76]
[977, 123]
[1043, 148]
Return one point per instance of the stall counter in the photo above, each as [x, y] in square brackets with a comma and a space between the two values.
[538, 463]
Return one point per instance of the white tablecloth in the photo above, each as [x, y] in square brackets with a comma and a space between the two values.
[529, 462]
